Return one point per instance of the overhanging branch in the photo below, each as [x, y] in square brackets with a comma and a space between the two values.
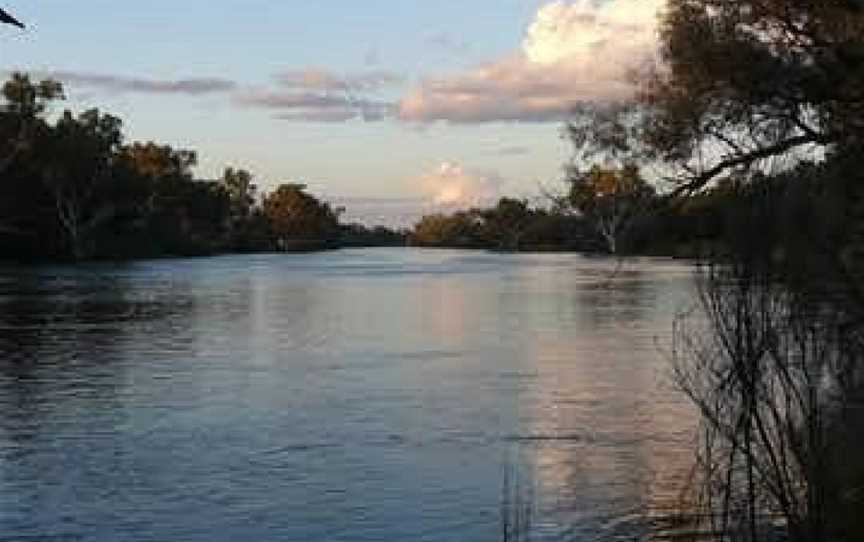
[748, 159]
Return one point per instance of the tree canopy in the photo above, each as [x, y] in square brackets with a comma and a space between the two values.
[742, 86]
[72, 187]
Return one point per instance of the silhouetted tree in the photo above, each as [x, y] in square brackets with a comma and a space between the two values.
[299, 219]
[77, 162]
[22, 129]
[504, 224]
[610, 200]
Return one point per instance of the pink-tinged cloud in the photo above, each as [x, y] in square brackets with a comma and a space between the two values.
[318, 95]
[453, 186]
[573, 52]
[319, 79]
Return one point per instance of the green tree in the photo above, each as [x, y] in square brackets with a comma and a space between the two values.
[241, 190]
[249, 228]
[504, 224]
[22, 126]
[78, 162]
[747, 83]
[183, 216]
[297, 217]
[610, 199]
[463, 229]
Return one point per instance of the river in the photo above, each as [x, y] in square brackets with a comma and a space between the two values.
[374, 394]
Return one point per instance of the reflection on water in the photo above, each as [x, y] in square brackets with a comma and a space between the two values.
[358, 395]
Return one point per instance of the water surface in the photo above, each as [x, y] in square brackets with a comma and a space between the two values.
[381, 394]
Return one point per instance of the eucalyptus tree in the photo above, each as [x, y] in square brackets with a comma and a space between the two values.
[297, 217]
[745, 82]
[768, 95]
[610, 199]
[79, 175]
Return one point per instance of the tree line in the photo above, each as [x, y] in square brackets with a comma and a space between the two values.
[603, 209]
[72, 188]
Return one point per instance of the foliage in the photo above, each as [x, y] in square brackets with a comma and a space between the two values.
[510, 225]
[460, 230]
[747, 83]
[296, 216]
[359, 235]
[611, 199]
[72, 188]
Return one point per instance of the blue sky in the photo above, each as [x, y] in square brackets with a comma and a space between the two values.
[414, 93]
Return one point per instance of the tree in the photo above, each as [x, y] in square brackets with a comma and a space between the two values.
[747, 83]
[241, 190]
[184, 216]
[22, 129]
[611, 199]
[462, 229]
[78, 167]
[249, 229]
[503, 224]
[295, 216]
[25, 103]
[159, 162]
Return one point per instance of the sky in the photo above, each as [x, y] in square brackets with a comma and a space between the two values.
[390, 107]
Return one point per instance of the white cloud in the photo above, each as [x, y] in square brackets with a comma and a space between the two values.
[572, 52]
[451, 185]
[562, 32]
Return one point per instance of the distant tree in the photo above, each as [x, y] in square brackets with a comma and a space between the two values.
[241, 190]
[159, 162]
[295, 215]
[611, 199]
[184, 216]
[24, 103]
[22, 126]
[463, 229]
[77, 173]
[359, 235]
[249, 229]
[503, 224]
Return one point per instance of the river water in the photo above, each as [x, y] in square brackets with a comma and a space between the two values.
[376, 394]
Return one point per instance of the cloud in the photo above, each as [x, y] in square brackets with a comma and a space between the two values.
[319, 115]
[572, 52]
[318, 95]
[323, 80]
[120, 84]
[451, 185]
